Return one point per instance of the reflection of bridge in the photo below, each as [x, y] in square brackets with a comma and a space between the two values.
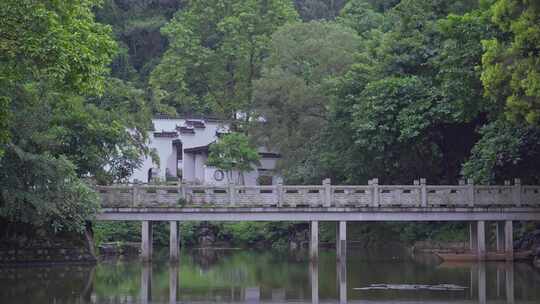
[477, 287]
[373, 202]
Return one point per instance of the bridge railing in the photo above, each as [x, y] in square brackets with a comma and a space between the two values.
[419, 195]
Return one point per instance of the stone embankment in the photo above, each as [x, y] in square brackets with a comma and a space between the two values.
[41, 251]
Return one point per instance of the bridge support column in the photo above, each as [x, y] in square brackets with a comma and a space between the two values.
[473, 237]
[314, 241]
[509, 240]
[146, 241]
[481, 238]
[174, 252]
[341, 240]
[500, 236]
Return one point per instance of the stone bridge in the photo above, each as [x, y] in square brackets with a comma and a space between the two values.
[464, 202]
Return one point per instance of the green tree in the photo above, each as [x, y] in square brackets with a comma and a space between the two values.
[36, 39]
[318, 9]
[511, 62]
[233, 153]
[68, 120]
[215, 53]
[294, 94]
[360, 16]
[409, 105]
[136, 26]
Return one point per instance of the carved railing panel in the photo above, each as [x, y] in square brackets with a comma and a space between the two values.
[207, 195]
[259, 195]
[493, 196]
[530, 195]
[450, 196]
[353, 196]
[399, 196]
[326, 195]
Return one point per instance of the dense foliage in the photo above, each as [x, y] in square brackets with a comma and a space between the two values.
[437, 89]
[351, 90]
[215, 53]
[66, 120]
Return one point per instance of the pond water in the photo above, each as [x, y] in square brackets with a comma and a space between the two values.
[248, 276]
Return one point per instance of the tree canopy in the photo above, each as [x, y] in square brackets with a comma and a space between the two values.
[395, 89]
[511, 61]
[66, 119]
[215, 54]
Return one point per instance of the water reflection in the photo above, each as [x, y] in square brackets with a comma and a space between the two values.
[267, 277]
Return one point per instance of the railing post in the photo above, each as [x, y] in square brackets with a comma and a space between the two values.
[417, 183]
[370, 191]
[470, 191]
[232, 194]
[279, 194]
[423, 190]
[327, 192]
[462, 199]
[516, 193]
[183, 191]
[375, 192]
[135, 192]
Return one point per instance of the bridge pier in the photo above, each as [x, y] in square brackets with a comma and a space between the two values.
[146, 241]
[509, 240]
[504, 236]
[499, 233]
[341, 240]
[477, 240]
[174, 252]
[314, 241]
[481, 238]
[473, 237]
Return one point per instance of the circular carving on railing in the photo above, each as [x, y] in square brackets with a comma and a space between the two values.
[219, 175]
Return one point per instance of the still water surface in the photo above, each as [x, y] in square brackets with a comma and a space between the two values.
[246, 276]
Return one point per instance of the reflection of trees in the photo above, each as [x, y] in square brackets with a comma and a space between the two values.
[54, 284]
[207, 257]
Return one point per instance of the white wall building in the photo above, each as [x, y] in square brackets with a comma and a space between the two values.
[182, 145]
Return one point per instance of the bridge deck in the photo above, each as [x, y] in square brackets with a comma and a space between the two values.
[320, 214]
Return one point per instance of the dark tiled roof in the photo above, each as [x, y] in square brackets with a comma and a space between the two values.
[200, 149]
[171, 134]
[196, 124]
[187, 117]
[186, 130]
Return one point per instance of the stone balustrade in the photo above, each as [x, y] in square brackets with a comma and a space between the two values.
[417, 195]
